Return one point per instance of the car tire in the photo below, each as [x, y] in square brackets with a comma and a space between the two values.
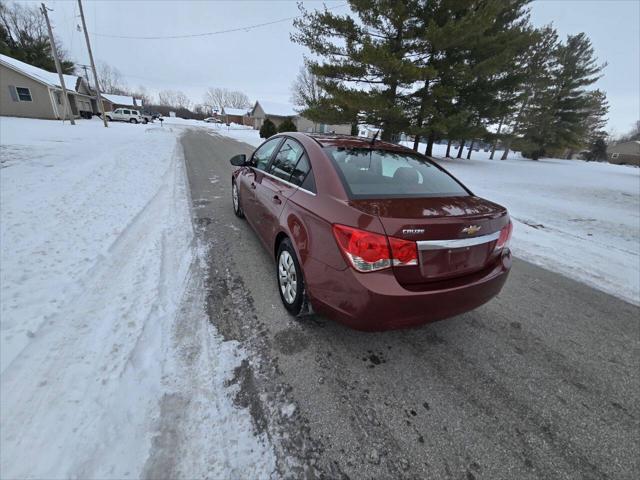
[133, 120]
[290, 280]
[235, 199]
[145, 121]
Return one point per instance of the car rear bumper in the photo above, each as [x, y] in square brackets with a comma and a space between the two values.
[376, 301]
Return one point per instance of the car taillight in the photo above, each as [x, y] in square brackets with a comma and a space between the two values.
[505, 236]
[403, 252]
[368, 251]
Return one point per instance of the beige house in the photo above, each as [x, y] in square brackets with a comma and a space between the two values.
[624, 153]
[111, 101]
[279, 112]
[28, 91]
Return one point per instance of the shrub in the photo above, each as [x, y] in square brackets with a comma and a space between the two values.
[287, 126]
[268, 129]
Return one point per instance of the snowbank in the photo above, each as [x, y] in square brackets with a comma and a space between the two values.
[578, 218]
[581, 219]
[96, 256]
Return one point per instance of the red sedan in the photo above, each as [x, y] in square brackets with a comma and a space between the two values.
[373, 235]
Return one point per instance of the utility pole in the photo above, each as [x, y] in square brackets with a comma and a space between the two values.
[54, 51]
[86, 73]
[93, 66]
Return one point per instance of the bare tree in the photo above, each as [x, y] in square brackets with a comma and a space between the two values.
[237, 99]
[218, 98]
[142, 93]
[174, 98]
[111, 80]
[182, 100]
[305, 90]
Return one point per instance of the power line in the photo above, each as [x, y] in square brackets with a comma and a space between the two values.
[207, 34]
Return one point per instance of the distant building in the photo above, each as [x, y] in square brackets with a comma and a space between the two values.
[279, 112]
[28, 91]
[235, 115]
[624, 153]
[112, 101]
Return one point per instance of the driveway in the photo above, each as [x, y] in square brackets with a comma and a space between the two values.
[542, 382]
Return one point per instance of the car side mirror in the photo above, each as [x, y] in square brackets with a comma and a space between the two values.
[239, 160]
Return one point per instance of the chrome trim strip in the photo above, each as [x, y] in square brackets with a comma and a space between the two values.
[456, 243]
[288, 183]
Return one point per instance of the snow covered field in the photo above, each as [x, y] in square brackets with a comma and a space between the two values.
[581, 219]
[109, 367]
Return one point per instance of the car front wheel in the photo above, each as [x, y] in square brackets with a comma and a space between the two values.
[133, 120]
[290, 279]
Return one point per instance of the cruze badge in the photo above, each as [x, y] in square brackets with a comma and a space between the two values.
[471, 229]
[412, 231]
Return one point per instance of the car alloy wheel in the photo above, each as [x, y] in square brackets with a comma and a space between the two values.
[235, 196]
[290, 280]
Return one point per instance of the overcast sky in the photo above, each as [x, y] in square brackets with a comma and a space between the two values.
[263, 61]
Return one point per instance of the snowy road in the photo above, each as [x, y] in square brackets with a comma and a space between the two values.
[541, 382]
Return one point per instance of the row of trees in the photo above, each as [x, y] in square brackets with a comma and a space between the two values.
[215, 99]
[451, 69]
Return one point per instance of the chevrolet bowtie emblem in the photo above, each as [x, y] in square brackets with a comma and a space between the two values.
[471, 229]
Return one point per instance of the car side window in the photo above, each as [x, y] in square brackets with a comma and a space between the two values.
[118, 110]
[263, 154]
[127, 112]
[286, 159]
[301, 171]
[309, 183]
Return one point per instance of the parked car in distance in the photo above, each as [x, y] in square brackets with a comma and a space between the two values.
[147, 116]
[125, 115]
[374, 235]
[212, 120]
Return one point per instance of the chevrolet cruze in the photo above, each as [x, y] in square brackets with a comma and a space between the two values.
[370, 233]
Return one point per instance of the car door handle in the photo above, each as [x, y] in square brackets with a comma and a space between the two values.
[253, 185]
[276, 199]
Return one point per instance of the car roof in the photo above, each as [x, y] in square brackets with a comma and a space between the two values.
[337, 140]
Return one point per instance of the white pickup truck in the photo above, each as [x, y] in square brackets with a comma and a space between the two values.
[125, 115]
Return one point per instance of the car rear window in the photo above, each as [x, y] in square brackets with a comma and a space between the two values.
[370, 173]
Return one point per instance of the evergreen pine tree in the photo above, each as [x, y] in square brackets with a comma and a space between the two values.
[470, 49]
[564, 115]
[366, 60]
[268, 129]
[287, 126]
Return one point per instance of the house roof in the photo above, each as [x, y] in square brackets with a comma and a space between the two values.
[48, 78]
[235, 111]
[278, 109]
[123, 100]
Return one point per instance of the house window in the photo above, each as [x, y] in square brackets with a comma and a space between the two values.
[615, 155]
[24, 94]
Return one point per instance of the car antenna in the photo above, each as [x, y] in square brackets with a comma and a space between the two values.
[373, 140]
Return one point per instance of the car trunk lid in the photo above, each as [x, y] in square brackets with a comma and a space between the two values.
[454, 235]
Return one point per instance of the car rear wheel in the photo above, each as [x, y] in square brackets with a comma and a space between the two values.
[235, 196]
[145, 121]
[133, 120]
[290, 280]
